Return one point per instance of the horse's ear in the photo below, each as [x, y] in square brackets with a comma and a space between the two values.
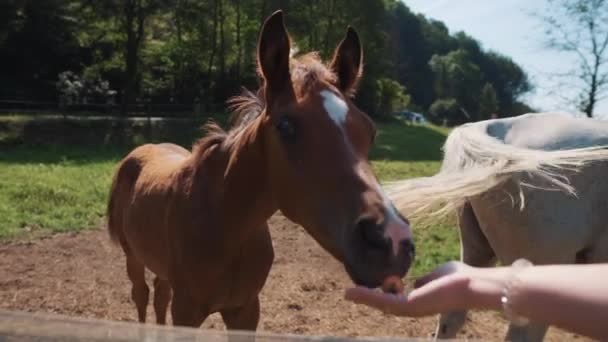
[348, 61]
[273, 54]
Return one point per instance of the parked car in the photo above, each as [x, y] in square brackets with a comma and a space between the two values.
[411, 117]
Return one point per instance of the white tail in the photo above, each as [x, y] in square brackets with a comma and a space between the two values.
[475, 163]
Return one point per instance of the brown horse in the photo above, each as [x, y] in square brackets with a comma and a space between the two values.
[198, 220]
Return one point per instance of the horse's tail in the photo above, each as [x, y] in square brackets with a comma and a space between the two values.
[120, 193]
[475, 162]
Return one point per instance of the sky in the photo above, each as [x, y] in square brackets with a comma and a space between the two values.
[508, 27]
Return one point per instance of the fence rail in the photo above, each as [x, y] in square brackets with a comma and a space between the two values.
[21, 326]
[95, 109]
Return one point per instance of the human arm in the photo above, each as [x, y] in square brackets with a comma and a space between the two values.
[573, 297]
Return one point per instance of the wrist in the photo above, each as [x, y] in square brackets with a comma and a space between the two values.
[497, 289]
[512, 292]
[485, 287]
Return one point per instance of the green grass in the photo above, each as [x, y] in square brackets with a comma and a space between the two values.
[61, 188]
[402, 151]
[53, 189]
[17, 117]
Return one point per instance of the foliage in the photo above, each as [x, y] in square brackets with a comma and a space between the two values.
[459, 78]
[580, 28]
[204, 50]
[488, 102]
[80, 89]
[391, 96]
[446, 111]
[522, 108]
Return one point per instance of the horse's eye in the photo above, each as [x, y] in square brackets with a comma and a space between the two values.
[286, 129]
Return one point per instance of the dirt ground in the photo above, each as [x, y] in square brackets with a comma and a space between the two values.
[83, 274]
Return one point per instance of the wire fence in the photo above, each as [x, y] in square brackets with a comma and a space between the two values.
[34, 108]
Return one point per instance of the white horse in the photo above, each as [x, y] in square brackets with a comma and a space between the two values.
[533, 186]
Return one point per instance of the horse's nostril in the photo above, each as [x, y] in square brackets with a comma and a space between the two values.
[372, 233]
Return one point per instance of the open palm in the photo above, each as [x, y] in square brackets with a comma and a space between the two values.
[442, 290]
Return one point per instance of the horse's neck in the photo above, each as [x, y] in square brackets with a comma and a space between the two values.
[247, 188]
[242, 201]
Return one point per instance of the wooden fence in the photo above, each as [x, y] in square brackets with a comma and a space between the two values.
[21, 326]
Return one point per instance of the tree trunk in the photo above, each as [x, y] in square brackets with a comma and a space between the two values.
[239, 52]
[263, 11]
[213, 43]
[330, 27]
[178, 86]
[134, 15]
[590, 107]
[130, 56]
[311, 22]
[592, 96]
[222, 56]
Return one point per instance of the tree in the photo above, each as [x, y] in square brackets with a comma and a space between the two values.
[458, 77]
[37, 41]
[391, 97]
[132, 16]
[203, 51]
[488, 103]
[446, 111]
[580, 27]
[135, 13]
[508, 79]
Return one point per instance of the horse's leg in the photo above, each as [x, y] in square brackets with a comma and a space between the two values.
[162, 296]
[598, 252]
[531, 332]
[139, 290]
[186, 311]
[476, 251]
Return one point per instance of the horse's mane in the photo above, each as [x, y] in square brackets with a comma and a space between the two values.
[306, 70]
[475, 162]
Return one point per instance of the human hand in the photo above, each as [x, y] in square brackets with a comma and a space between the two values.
[446, 288]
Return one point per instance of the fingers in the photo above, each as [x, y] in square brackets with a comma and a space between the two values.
[417, 303]
[441, 271]
[387, 303]
[440, 294]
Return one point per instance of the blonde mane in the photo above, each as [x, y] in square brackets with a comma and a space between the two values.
[475, 162]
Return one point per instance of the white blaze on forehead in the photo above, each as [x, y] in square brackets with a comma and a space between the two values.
[335, 107]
